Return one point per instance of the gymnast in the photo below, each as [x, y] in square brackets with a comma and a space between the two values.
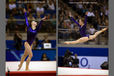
[82, 29]
[31, 34]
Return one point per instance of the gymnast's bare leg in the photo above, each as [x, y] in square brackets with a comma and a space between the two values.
[85, 39]
[26, 52]
[29, 50]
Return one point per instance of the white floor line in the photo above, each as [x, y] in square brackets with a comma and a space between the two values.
[77, 71]
[34, 66]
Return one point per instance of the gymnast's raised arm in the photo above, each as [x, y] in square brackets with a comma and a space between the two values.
[73, 19]
[39, 25]
[27, 23]
[85, 22]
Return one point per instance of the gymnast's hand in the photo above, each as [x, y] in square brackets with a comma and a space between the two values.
[86, 13]
[44, 18]
[70, 15]
[24, 10]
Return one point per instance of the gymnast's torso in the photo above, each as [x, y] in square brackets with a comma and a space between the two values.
[82, 29]
[31, 34]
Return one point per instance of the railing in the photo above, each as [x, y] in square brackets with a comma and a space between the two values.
[30, 20]
[12, 25]
[29, 1]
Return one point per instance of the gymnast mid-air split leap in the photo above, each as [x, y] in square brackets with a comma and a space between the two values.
[82, 29]
[31, 35]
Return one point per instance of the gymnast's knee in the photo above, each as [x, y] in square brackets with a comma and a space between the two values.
[30, 55]
[24, 55]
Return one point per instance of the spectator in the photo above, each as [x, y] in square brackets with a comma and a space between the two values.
[44, 57]
[92, 30]
[29, 7]
[11, 24]
[90, 13]
[80, 6]
[48, 16]
[36, 43]
[68, 60]
[71, 25]
[18, 41]
[106, 12]
[75, 62]
[75, 34]
[45, 40]
[30, 17]
[39, 10]
[12, 5]
[12, 8]
[51, 5]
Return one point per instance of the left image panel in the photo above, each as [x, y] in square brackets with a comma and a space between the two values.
[30, 38]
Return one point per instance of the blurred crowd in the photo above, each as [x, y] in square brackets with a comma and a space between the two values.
[36, 10]
[97, 17]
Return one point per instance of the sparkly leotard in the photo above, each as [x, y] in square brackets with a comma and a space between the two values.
[31, 34]
[83, 28]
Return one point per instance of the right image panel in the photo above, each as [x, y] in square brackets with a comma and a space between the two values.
[83, 37]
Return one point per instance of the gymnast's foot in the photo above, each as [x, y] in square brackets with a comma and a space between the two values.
[66, 42]
[27, 69]
[19, 67]
[104, 29]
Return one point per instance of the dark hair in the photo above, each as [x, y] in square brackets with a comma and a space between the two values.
[29, 24]
[82, 19]
[30, 21]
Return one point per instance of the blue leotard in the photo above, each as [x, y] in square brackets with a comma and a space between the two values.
[82, 29]
[31, 34]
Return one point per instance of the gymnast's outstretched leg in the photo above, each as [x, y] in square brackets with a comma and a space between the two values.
[91, 37]
[80, 40]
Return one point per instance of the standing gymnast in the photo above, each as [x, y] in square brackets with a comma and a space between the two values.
[82, 29]
[31, 34]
